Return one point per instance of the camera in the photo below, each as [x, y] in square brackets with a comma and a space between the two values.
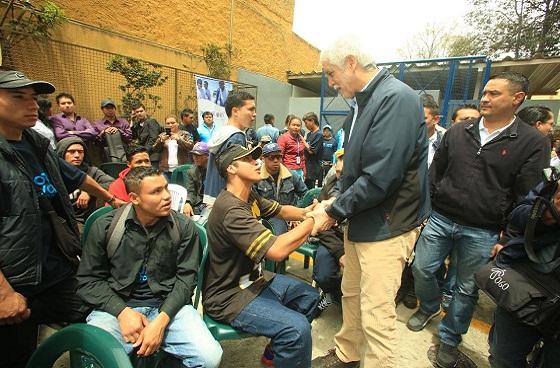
[168, 131]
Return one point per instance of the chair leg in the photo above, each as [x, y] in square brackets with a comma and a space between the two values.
[306, 262]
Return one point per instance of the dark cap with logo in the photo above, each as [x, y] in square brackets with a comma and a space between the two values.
[233, 153]
[11, 79]
[108, 102]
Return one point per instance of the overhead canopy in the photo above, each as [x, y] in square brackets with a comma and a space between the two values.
[543, 74]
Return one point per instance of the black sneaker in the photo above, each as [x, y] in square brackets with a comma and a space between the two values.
[420, 319]
[331, 360]
[447, 356]
[325, 302]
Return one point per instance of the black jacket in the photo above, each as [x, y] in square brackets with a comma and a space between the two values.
[478, 186]
[146, 136]
[106, 284]
[20, 215]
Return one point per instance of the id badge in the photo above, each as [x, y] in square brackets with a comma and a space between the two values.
[298, 160]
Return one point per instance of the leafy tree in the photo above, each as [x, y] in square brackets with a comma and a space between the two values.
[140, 76]
[21, 20]
[218, 60]
[522, 28]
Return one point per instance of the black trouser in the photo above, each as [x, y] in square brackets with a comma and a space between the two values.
[59, 303]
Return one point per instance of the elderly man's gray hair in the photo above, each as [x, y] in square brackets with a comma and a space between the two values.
[337, 52]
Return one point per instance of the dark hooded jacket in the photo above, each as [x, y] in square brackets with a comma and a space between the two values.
[97, 174]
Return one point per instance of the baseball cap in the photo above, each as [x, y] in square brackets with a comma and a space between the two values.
[233, 153]
[200, 148]
[266, 139]
[107, 102]
[270, 148]
[10, 79]
[327, 126]
[339, 153]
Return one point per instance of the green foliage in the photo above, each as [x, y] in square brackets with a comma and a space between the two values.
[21, 19]
[520, 28]
[218, 60]
[463, 46]
[140, 76]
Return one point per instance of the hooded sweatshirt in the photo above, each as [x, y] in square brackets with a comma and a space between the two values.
[225, 137]
[97, 174]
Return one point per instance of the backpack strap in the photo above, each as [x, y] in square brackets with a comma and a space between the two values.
[173, 230]
[116, 229]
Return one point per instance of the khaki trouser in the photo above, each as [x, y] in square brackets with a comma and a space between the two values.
[372, 276]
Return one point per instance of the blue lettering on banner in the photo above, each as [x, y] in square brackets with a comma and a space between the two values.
[44, 183]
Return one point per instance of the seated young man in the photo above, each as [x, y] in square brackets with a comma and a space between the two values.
[142, 293]
[136, 156]
[195, 180]
[237, 290]
[74, 151]
[278, 183]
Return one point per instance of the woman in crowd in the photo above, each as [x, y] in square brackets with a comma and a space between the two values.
[44, 125]
[174, 144]
[293, 147]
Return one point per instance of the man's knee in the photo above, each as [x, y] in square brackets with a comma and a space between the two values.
[209, 355]
[296, 332]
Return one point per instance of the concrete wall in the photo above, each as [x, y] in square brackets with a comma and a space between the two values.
[260, 31]
[272, 96]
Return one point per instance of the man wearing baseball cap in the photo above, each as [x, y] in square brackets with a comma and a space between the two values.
[236, 289]
[110, 124]
[277, 182]
[40, 241]
[195, 180]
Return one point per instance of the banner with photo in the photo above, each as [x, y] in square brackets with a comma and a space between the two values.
[211, 95]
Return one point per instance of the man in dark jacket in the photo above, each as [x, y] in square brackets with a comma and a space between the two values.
[481, 168]
[384, 196]
[74, 151]
[195, 180]
[141, 290]
[37, 267]
[145, 132]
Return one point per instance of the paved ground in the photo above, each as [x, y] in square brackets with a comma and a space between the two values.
[413, 346]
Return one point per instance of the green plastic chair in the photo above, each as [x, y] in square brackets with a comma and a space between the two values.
[308, 197]
[91, 219]
[97, 348]
[179, 175]
[220, 331]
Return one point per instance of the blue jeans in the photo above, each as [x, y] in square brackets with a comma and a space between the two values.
[186, 336]
[283, 311]
[472, 246]
[511, 341]
[326, 271]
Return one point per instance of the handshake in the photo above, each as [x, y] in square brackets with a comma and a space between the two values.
[322, 221]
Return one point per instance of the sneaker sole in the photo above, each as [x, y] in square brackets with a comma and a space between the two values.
[421, 327]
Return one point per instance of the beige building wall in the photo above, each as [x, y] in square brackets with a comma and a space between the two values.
[174, 32]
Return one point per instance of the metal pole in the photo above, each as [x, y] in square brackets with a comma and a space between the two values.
[448, 88]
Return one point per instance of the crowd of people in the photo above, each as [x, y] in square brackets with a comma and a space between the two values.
[396, 190]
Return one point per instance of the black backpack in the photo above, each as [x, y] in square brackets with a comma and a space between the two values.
[521, 287]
